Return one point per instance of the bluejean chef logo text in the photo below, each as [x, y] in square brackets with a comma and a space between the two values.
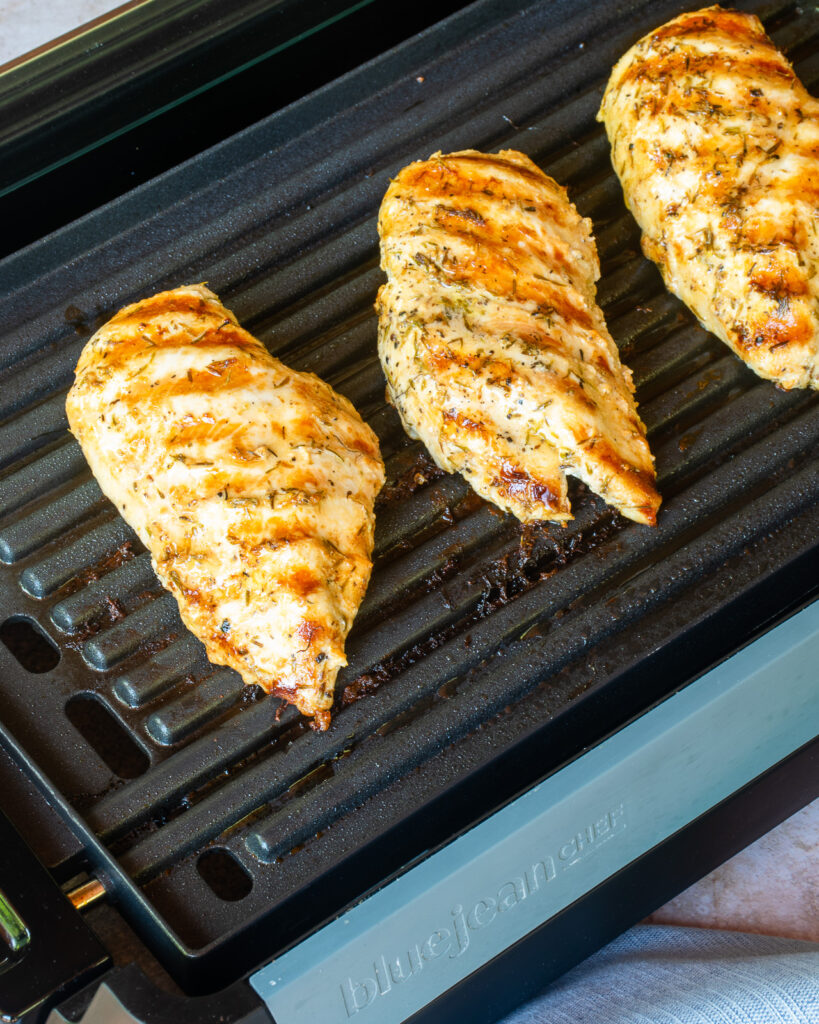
[452, 939]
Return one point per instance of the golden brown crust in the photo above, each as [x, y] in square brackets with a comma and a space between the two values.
[251, 485]
[716, 143]
[495, 351]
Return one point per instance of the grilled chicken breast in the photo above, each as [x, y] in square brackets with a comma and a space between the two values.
[251, 485]
[716, 143]
[496, 354]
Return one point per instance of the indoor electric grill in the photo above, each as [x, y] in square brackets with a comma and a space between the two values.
[542, 733]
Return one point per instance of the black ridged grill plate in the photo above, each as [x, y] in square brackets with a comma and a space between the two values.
[476, 636]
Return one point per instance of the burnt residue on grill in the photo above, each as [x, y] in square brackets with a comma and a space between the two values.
[76, 317]
[113, 560]
[415, 470]
[540, 552]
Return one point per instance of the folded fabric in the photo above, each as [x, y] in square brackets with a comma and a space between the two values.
[656, 974]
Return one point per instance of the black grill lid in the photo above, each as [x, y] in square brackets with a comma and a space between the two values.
[485, 655]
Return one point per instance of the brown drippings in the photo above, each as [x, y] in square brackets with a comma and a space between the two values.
[124, 553]
[114, 610]
[688, 439]
[420, 472]
[541, 551]
[75, 316]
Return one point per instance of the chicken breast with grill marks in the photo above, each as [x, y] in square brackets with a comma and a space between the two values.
[252, 486]
[716, 143]
[496, 354]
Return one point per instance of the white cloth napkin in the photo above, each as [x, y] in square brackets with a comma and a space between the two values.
[655, 974]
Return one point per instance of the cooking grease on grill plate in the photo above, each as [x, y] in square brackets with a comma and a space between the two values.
[474, 632]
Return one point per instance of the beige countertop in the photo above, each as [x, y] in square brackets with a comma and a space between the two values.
[771, 887]
[26, 25]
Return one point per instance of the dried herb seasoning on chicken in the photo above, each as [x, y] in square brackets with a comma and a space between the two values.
[252, 486]
[495, 351]
[716, 143]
